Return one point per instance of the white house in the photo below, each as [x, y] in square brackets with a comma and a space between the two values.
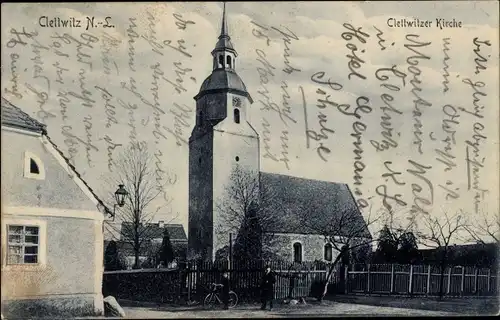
[52, 226]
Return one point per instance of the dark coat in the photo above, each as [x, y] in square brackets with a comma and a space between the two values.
[267, 284]
[225, 283]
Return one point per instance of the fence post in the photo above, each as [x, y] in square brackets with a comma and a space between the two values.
[368, 279]
[189, 280]
[449, 281]
[346, 279]
[488, 286]
[428, 291]
[462, 283]
[230, 256]
[476, 274]
[392, 278]
[410, 285]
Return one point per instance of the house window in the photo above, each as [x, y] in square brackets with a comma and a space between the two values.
[297, 252]
[33, 166]
[237, 115]
[328, 252]
[228, 60]
[23, 244]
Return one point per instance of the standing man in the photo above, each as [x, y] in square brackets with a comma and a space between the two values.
[225, 290]
[267, 288]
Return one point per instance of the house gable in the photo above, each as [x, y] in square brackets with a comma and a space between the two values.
[57, 184]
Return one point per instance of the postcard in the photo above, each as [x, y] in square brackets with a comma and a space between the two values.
[250, 159]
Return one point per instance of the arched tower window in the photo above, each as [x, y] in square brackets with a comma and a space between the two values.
[228, 60]
[297, 252]
[328, 252]
[236, 115]
[221, 61]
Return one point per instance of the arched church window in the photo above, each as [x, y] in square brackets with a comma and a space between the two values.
[221, 61]
[297, 252]
[237, 115]
[237, 158]
[228, 60]
[328, 252]
[200, 117]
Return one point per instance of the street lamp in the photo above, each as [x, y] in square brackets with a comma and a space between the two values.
[120, 196]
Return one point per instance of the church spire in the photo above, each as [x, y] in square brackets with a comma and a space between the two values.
[224, 61]
[224, 42]
[224, 53]
[223, 29]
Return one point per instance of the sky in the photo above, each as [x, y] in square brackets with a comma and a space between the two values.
[406, 116]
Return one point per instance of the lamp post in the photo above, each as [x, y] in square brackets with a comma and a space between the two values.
[120, 195]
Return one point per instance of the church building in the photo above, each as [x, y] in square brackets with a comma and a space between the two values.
[222, 141]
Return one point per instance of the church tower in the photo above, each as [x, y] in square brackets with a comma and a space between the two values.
[221, 140]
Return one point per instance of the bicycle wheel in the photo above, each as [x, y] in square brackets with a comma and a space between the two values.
[209, 300]
[233, 299]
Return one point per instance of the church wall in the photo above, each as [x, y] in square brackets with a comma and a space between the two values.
[200, 195]
[281, 246]
[228, 146]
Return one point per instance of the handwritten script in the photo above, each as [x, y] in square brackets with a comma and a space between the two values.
[401, 109]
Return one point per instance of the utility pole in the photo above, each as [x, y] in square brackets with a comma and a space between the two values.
[230, 257]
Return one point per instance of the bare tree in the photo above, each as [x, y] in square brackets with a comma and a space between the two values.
[134, 171]
[346, 230]
[247, 211]
[484, 229]
[438, 233]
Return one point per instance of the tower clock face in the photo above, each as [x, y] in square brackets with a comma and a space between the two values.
[236, 102]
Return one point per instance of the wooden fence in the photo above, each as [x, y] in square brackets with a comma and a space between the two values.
[292, 279]
[191, 281]
[421, 280]
[158, 285]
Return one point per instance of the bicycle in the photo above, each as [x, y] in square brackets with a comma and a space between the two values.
[213, 297]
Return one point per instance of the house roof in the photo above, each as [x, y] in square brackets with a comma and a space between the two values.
[305, 206]
[153, 231]
[456, 248]
[14, 117]
[127, 248]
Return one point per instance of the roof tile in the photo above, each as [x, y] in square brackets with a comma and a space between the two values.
[14, 117]
[322, 203]
[153, 231]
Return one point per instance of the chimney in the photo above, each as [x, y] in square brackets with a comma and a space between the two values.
[161, 223]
